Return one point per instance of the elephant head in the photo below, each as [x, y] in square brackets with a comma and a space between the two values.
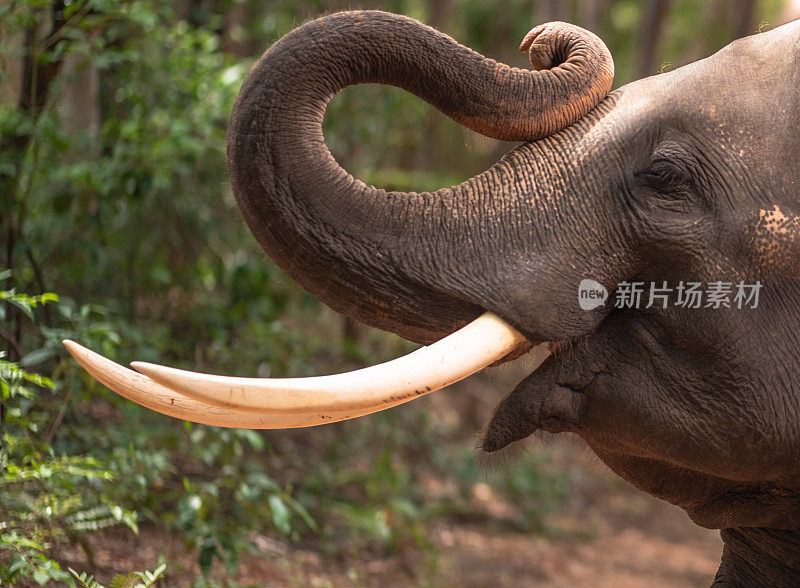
[686, 180]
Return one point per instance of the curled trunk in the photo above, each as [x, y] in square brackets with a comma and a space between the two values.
[388, 258]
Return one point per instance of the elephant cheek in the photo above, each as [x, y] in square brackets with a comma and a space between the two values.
[537, 403]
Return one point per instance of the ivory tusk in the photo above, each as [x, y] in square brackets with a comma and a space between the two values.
[142, 390]
[468, 350]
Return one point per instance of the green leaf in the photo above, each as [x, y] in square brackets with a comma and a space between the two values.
[86, 580]
[24, 305]
[157, 573]
[280, 514]
[38, 356]
[48, 297]
[129, 581]
[207, 553]
[41, 576]
[304, 514]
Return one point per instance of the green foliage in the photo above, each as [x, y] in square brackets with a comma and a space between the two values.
[132, 580]
[45, 498]
[216, 514]
[381, 507]
[153, 163]
[534, 489]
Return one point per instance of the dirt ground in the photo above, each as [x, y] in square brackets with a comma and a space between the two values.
[609, 534]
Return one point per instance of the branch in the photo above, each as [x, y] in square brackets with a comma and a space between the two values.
[59, 33]
[11, 339]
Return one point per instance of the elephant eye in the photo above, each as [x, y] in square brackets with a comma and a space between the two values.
[665, 177]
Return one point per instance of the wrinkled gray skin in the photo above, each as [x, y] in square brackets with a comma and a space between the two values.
[692, 175]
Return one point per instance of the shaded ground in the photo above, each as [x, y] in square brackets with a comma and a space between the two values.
[609, 534]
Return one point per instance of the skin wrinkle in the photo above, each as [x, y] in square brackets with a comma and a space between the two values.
[698, 407]
[335, 73]
[742, 404]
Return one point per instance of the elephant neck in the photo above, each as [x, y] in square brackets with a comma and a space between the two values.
[759, 557]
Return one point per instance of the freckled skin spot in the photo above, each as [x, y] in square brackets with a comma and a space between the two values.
[776, 238]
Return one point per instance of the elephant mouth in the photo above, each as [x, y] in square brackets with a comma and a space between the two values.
[278, 403]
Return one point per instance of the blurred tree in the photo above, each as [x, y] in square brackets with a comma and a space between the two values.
[744, 18]
[655, 13]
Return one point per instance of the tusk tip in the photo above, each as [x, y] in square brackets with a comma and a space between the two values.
[146, 368]
[71, 346]
[166, 376]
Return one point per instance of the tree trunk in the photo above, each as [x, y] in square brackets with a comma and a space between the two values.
[652, 25]
[744, 18]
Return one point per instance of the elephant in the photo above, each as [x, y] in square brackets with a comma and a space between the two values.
[685, 181]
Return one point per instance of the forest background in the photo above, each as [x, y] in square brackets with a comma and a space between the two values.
[118, 229]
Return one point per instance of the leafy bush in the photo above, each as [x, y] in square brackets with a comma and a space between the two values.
[46, 497]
